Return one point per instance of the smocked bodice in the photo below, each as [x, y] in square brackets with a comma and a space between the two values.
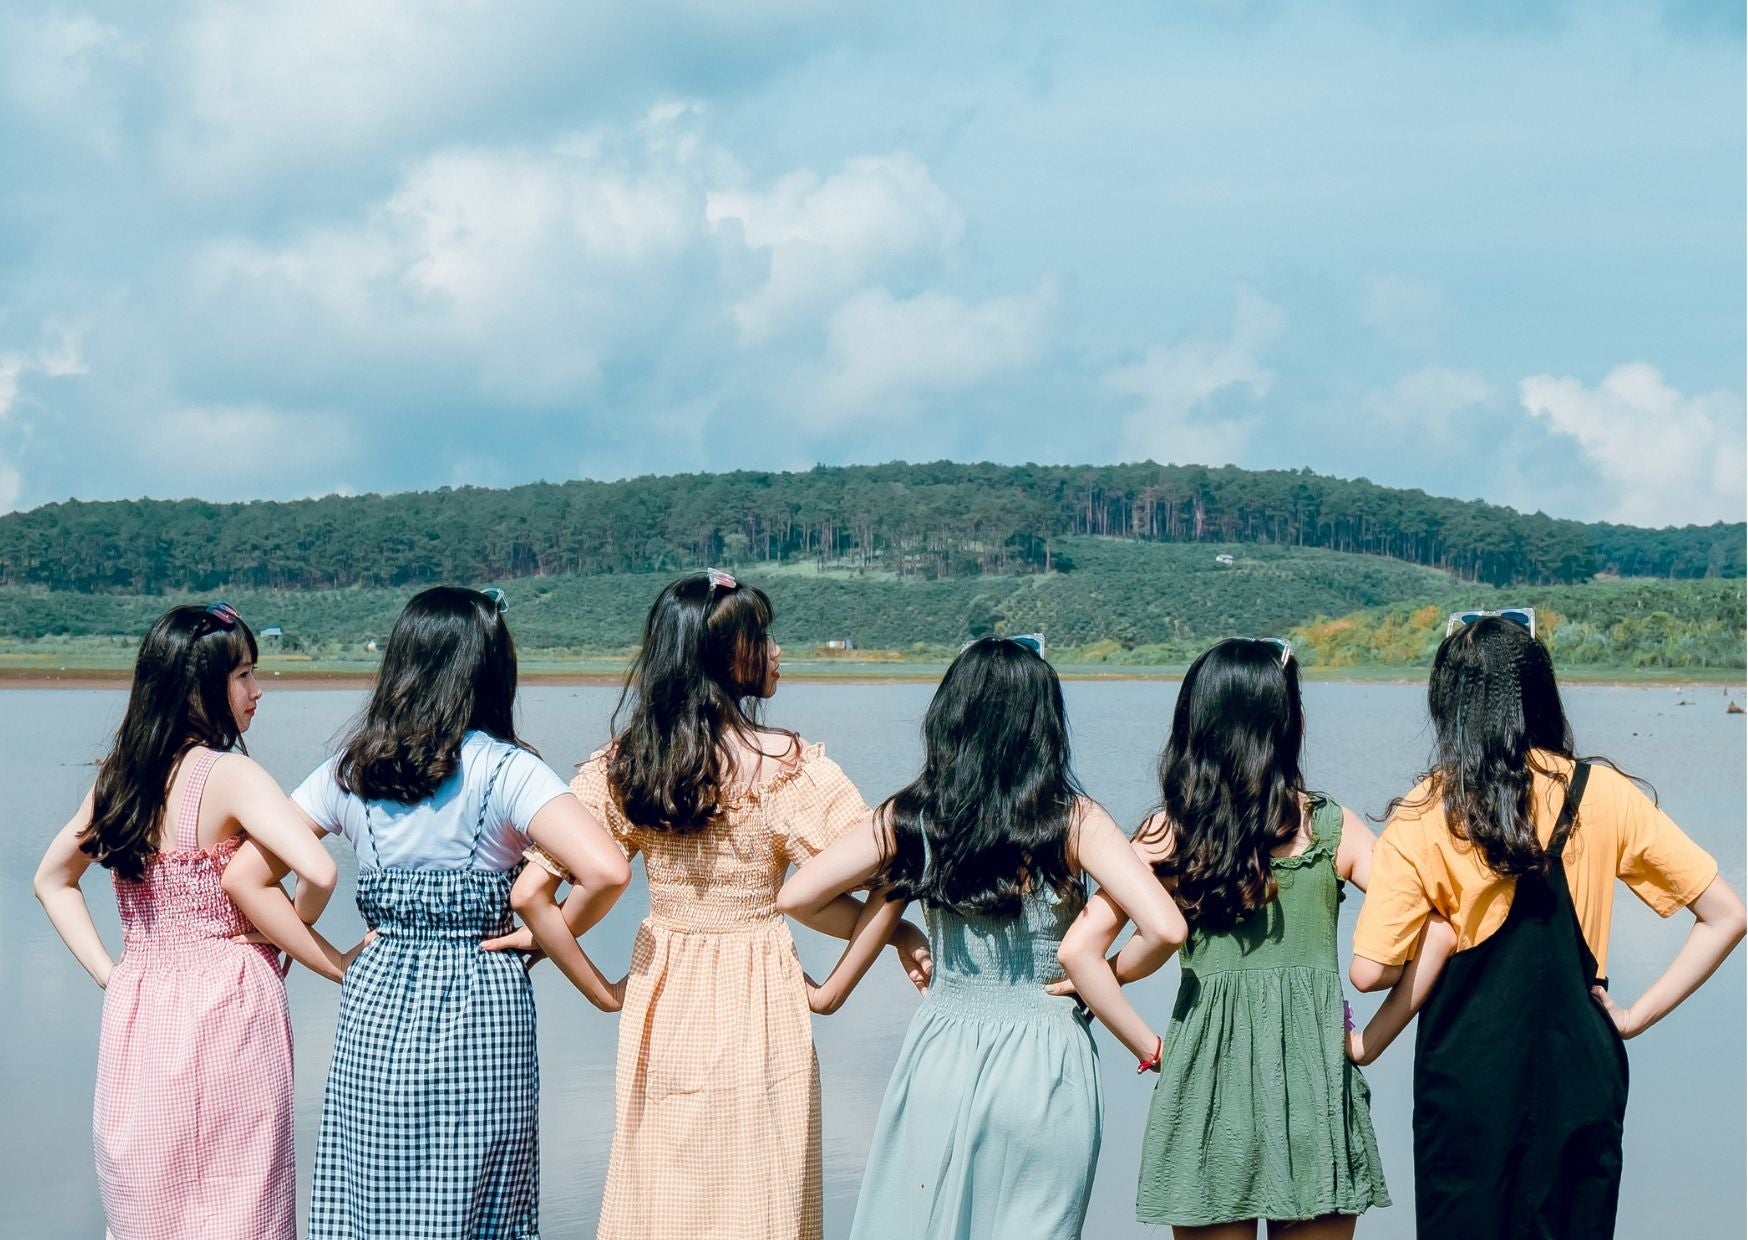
[1294, 930]
[724, 879]
[465, 905]
[999, 965]
[180, 899]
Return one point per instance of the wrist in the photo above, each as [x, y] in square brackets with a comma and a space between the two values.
[1151, 1064]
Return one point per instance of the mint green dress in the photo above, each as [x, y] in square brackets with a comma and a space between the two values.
[990, 1125]
[1257, 1112]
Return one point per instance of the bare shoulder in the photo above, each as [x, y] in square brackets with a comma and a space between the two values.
[1155, 839]
[1088, 822]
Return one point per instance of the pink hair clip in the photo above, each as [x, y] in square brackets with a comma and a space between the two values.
[720, 579]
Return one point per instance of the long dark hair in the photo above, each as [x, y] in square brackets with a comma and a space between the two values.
[450, 668]
[180, 699]
[1495, 709]
[697, 679]
[996, 798]
[1229, 779]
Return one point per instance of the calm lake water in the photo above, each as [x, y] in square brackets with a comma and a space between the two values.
[1685, 1126]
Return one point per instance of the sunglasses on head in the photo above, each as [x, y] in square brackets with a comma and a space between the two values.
[1031, 641]
[1281, 644]
[1522, 616]
[499, 599]
[219, 615]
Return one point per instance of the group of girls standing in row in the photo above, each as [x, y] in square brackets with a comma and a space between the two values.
[991, 1123]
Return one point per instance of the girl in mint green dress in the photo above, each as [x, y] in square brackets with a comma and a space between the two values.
[991, 1123]
[1258, 1115]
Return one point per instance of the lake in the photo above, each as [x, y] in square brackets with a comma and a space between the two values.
[1365, 743]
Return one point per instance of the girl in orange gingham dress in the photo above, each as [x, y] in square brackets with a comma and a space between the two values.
[717, 1116]
[193, 1118]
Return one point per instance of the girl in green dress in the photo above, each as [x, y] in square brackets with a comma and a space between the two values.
[1258, 1113]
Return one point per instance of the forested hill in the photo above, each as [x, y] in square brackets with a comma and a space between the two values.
[940, 520]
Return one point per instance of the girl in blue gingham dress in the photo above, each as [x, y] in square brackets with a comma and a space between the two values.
[429, 1123]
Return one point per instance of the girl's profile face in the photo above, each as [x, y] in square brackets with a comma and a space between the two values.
[772, 675]
[244, 691]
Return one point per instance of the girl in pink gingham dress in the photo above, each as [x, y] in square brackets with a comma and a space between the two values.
[193, 1117]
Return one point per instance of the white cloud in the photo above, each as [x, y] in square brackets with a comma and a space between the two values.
[1174, 383]
[57, 67]
[58, 356]
[1669, 458]
[1430, 405]
[883, 352]
[529, 265]
[824, 237]
[1402, 311]
[241, 451]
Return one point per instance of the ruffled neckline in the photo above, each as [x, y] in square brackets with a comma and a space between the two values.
[1319, 847]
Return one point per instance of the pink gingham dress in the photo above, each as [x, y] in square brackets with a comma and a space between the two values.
[193, 1122]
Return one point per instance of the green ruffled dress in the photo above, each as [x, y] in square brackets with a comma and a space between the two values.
[1258, 1113]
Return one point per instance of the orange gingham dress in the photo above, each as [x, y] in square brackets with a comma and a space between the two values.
[193, 1123]
[716, 1118]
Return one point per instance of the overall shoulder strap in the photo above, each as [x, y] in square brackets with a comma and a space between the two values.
[1569, 811]
[485, 801]
[188, 817]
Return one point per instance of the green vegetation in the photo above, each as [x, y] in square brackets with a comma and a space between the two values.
[1124, 605]
[930, 522]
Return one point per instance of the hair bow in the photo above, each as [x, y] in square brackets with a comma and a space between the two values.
[720, 579]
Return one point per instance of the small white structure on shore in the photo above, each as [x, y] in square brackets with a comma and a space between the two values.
[273, 634]
[1223, 558]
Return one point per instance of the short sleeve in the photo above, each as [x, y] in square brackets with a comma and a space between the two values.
[321, 797]
[814, 807]
[1395, 908]
[524, 786]
[591, 788]
[1661, 865]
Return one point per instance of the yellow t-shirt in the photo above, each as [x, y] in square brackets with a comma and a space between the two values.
[1418, 866]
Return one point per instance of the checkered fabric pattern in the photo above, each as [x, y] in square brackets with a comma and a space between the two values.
[716, 1116]
[192, 1125]
[429, 1125]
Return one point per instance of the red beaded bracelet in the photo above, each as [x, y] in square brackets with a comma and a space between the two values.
[1152, 1065]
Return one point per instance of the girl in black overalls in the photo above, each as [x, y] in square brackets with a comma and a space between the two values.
[1520, 1081]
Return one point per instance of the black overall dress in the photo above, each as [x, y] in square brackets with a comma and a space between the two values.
[1520, 1078]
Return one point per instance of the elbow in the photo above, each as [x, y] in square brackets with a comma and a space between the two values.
[1072, 955]
[789, 903]
[608, 874]
[1169, 931]
[323, 875]
[1368, 975]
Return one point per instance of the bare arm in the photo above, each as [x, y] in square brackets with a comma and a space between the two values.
[58, 891]
[1126, 887]
[1353, 855]
[1718, 924]
[567, 831]
[251, 880]
[241, 789]
[1437, 940]
[818, 897]
[1368, 975]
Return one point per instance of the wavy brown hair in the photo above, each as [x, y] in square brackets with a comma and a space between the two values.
[996, 799]
[180, 700]
[449, 669]
[1230, 783]
[697, 679]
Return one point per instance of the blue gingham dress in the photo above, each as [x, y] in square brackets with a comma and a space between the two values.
[430, 1121]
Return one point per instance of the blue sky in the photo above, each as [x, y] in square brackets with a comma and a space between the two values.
[1489, 249]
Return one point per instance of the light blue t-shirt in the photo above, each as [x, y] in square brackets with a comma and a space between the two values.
[437, 833]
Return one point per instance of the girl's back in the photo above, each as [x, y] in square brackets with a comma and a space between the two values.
[1255, 1084]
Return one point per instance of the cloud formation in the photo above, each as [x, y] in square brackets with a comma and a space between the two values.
[1668, 458]
[397, 246]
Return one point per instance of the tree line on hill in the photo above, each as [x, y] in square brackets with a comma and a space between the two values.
[935, 521]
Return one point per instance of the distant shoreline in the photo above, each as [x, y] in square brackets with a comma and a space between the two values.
[15, 675]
